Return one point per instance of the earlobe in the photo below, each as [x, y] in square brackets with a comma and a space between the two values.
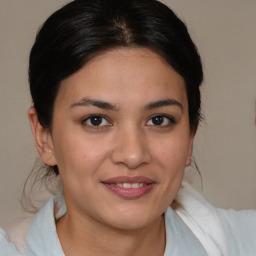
[190, 150]
[43, 139]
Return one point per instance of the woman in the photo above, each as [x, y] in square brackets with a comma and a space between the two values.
[116, 105]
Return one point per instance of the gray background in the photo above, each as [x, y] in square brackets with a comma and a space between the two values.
[225, 148]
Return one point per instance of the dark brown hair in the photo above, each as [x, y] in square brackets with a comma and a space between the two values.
[84, 28]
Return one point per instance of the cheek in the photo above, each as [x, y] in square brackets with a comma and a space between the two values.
[172, 153]
[172, 157]
[78, 155]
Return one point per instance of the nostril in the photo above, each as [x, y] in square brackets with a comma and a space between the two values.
[131, 157]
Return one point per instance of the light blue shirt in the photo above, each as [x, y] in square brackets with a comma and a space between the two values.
[42, 238]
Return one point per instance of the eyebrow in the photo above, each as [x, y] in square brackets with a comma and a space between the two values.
[108, 106]
[163, 103]
[96, 103]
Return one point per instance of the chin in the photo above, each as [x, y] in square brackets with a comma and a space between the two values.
[131, 224]
[133, 219]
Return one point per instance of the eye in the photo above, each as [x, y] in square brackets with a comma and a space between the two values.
[161, 120]
[96, 121]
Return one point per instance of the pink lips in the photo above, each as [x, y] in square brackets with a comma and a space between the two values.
[129, 187]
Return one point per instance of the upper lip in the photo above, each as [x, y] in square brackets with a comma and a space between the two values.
[128, 179]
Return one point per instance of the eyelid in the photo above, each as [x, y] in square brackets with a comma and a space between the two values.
[170, 118]
[85, 119]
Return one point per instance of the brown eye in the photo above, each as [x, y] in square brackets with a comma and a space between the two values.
[158, 120]
[161, 120]
[96, 121]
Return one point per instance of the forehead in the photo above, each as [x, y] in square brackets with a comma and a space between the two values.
[123, 74]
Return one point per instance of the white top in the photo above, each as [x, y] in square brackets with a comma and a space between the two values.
[196, 229]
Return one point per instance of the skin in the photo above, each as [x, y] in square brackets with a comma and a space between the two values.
[126, 143]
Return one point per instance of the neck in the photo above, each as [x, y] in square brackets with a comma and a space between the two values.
[79, 236]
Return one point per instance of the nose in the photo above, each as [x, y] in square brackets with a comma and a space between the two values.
[131, 149]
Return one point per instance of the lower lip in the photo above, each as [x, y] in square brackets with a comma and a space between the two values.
[129, 193]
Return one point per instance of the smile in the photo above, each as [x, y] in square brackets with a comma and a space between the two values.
[129, 187]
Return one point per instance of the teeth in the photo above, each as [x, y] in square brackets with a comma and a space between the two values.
[135, 185]
[127, 185]
[130, 185]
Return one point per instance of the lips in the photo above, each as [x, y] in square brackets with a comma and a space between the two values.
[129, 187]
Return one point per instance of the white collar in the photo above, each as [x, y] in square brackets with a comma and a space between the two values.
[202, 218]
[198, 215]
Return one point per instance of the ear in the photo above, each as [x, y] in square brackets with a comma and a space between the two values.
[190, 149]
[43, 139]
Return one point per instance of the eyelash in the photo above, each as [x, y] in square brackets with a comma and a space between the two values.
[89, 118]
[170, 119]
[166, 118]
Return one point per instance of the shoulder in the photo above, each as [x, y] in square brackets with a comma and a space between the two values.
[240, 230]
[17, 233]
[202, 219]
[34, 235]
[232, 232]
[7, 247]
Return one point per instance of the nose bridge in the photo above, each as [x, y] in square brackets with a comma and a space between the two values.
[131, 147]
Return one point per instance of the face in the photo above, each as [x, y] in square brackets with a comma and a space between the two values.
[121, 138]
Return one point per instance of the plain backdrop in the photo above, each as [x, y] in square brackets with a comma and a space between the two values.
[225, 148]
